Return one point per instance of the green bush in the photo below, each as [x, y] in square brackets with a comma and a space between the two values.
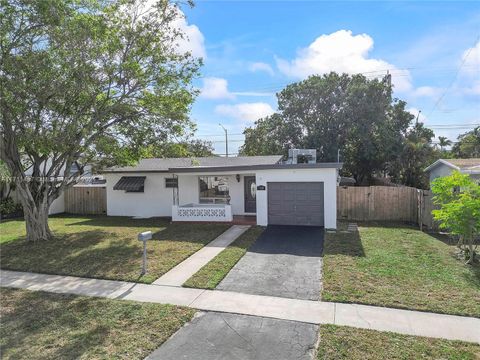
[8, 207]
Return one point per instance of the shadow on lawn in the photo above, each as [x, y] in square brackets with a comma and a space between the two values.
[196, 233]
[94, 253]
[472, 275]
[117, 221]
[343, 242]
[33, 316]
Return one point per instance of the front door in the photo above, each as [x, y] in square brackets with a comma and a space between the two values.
[250, 192]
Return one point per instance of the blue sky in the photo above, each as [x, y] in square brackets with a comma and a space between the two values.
[253, 49]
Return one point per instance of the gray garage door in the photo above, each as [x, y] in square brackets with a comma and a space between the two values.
[295, 203]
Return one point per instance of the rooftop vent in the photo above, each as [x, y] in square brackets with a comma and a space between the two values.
[302, 156]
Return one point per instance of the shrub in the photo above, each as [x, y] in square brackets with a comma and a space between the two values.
[9, 207]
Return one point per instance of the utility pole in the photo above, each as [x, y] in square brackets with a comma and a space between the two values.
[389, 78]
[226, 139]
[418, 115]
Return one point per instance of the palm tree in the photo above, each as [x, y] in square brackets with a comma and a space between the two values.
[443, 141]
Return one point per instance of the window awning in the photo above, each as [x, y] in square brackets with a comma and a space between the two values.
[130, 183]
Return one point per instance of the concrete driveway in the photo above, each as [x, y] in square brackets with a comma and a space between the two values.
[285, 261]
[219, 336]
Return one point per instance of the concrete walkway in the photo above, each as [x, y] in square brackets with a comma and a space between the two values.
[183, 271]
[313, 312]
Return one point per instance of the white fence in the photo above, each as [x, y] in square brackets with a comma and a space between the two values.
[202, 212]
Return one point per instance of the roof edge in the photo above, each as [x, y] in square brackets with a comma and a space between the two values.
[438, 162]
[323, 165]
[258, 167]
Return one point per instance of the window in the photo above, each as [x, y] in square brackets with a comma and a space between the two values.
[214, 190]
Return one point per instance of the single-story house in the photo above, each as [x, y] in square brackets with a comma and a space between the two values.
[444, 167]
[218, 188]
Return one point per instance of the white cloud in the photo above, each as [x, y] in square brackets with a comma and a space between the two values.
[415, 112]
[247, 112]
[215, 88]
[342, 52]
[427, 91]
[193, 40]
[261, 66]
[253, 93]
[471, 60]
[470, 71]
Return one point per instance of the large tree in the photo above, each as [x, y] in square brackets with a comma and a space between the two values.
[468, 144]
[415, 154]
[333, 113]
[82, 80]
[186, 148]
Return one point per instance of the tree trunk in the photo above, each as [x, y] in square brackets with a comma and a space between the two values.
[470, 246]
[36, 221]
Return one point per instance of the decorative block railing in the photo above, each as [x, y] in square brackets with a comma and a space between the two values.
[200, 212]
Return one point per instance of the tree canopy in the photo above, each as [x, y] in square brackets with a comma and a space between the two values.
[186, 148]
[458, 198]
[83, 80]
[468, 144]
[347, 115]
[414, 155]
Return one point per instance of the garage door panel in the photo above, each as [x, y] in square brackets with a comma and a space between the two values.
[296, 203]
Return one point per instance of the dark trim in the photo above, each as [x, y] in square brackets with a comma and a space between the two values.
[131, 184]
[132, 171]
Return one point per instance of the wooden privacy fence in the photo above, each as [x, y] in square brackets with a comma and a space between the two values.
[426, 206]
[86, 200]
[386, 203]
[378, 203]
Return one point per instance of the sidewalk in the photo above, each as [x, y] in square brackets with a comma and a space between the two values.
[187, 268]
[315, 312]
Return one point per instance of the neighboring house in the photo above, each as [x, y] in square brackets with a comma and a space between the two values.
[217, 188]
[58, 205]
[444, 167]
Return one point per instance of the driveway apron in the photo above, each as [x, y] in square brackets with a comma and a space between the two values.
[220, 336]
[285, 261]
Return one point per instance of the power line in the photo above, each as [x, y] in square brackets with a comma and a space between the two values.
[432, 126]
[455, 77]
[368, 74]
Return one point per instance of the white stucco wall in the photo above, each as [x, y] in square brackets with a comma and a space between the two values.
[326, 175]
[156, 200]
[189, 190]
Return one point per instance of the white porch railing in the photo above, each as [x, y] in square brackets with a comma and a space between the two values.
[202, 212]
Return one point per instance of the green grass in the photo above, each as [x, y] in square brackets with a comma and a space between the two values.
[401, 267]
[103, 247]
[340, 342]
[40, 325]
[210, 275]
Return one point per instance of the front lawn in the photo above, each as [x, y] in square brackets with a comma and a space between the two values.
[340, 342]
[210, 275]
[401, 267]
[103, 247]
[40, 325]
